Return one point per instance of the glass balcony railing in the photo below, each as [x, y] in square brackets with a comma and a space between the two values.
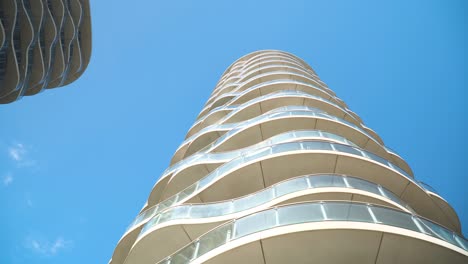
[239, 87]
[277, 94]
[238, 71]
[229, 155]
[248, 75]
[428, 187]
[241, 66]
[275, 150]
[282, 112]
[235, 96]
[194, 211]
[310, 213]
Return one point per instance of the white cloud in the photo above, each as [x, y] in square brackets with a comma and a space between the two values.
[47, 248]
[18, 152]
[7, 179]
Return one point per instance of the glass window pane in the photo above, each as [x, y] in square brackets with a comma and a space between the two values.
[462, 242]
[360, 212]
[311, 133]
[400, 170]
[253, 200]
[377, 158]
[185, 255]
[347, 212]
[255, 223]
[257, 154]
[394, 218]
[285, 147]
[300, 213]
[282, 137]
[333, 136]
[439, 231]
[338, 181]
[180, 212]
[392, 196]
[166, 216]
[347, 149]
[321, 181]
[214, 239]
[316, 145]
[291, 186]
[210, 210]
[363, 185]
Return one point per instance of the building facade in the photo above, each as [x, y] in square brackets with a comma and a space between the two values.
[44, 44]
[277, 169]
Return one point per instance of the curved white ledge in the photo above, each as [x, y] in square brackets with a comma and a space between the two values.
[249, 57]
[272, 123]
[308, 157]
[338, 223]
[270, 76]
[276, 85]
[212, 160]
[154, 234]
[267, 60]
[199, 218]
[58, 65]
[270, 101]
[265, 76]
[241, 74]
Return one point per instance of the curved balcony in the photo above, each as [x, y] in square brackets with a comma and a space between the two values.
[257, 54]
[262, 61]
[66, 36]
[274, 60]
[28, 42]
[236, 137]
[233, 85]
[200, 164]
[186, 172]
[268, 102]
[37, 65]
[58, 65]
[253, 94]
[259, 78]
[197, 219]
[262, 57]
[280, 120]
[240, 65]
[48, 39]
[11, 76]
[75, 64]
[2, 34]
[69, 37]
[303, 233]
[265, 88]
[270, 165]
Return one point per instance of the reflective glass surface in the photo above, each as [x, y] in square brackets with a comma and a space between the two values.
[193, 211]
[309, 213]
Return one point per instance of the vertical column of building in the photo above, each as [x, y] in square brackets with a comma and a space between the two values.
[276, 161]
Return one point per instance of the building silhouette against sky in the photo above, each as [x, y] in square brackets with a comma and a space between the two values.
[44, 44]
[277, 169]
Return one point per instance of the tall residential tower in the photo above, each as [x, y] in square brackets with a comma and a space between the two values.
[277, 169]
[44, 44]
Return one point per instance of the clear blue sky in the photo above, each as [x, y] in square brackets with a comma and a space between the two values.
[77, 163]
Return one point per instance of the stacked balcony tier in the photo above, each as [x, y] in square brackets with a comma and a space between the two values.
[44, 44]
